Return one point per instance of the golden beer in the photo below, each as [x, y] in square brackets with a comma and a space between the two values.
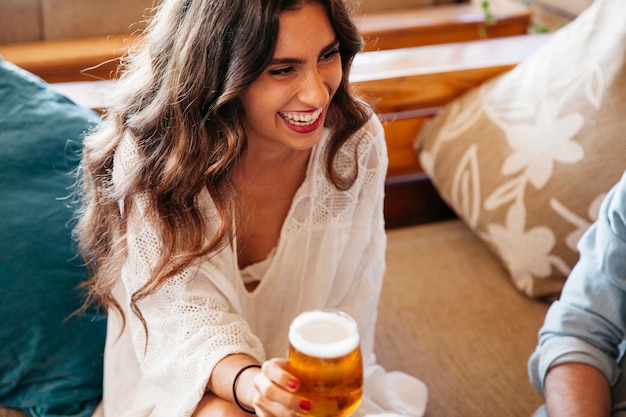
[324, 354]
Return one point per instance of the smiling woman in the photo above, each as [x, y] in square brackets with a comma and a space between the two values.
[234, 183]
[293, 94]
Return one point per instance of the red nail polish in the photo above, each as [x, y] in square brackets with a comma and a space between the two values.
[292, 383]
[305, 405]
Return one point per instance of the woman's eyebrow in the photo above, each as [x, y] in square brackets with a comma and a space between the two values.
[299, 61]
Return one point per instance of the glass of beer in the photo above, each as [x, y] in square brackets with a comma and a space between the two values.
[325, 355]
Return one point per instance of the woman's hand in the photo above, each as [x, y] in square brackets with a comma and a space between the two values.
[270, 391]
[276, 392]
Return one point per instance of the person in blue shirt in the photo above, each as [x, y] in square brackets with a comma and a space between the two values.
[577, 362]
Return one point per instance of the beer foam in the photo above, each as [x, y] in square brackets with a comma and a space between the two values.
[324, 334]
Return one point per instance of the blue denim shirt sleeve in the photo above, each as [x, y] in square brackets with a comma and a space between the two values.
[588, 323]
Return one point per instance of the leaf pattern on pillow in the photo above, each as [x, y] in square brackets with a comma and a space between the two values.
[460, 119]
[538, 145]
[525, 252]
[465, 192]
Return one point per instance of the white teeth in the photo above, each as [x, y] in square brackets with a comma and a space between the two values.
[301, 119]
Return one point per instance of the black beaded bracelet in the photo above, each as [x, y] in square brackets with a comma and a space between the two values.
[253, 365]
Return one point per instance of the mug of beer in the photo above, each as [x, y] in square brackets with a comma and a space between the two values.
[325, 355]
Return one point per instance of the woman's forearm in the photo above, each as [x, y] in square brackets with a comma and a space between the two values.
[577, 390]
[222, 378]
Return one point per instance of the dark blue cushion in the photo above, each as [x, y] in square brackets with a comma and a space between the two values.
[50, 361]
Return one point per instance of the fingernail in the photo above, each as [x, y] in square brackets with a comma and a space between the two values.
[292, 383]
[305, 405]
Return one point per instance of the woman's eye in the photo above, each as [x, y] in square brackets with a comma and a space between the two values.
[281, 71]
[330, 54]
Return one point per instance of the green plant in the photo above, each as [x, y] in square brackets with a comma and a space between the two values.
[489, 18]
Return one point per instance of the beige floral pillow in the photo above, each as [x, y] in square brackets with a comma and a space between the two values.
[526, 158]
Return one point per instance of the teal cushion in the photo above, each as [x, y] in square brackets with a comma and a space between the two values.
[50, 361]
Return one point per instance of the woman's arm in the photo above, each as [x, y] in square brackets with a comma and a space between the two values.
[191, 323]
[268, 389]
[222, 379]
[577, 390]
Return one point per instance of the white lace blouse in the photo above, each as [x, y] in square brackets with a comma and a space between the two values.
[331, 254]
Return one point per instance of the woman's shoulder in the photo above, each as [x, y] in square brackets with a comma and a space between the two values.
[371, 139]
[370, 135]
[368, 145]
[373, 128]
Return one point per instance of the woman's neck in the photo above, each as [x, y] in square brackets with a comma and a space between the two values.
[265, 189]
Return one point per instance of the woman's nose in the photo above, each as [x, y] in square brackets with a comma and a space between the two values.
[314, 90]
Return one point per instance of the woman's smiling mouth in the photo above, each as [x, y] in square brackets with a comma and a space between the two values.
[301, 118]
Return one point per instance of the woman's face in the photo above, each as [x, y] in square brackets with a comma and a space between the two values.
[287, 105]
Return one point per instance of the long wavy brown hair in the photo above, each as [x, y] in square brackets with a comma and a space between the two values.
[178, 98]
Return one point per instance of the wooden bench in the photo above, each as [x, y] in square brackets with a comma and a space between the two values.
[406, 86]
[71, 59]
[447, 23]
[97, 58]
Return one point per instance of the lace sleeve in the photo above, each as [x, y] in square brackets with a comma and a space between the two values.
[192, 321]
